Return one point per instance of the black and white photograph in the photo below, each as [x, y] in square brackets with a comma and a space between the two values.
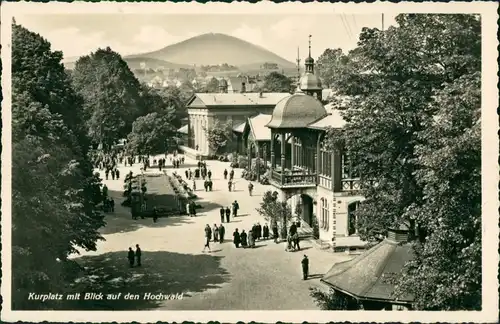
[292, 157]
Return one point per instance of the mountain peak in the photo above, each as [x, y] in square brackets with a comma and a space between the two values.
[216, 48]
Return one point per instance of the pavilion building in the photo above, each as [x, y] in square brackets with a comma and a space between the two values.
[288, 132]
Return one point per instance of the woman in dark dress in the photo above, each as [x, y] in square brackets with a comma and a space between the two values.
[236, 238]
[243, 238]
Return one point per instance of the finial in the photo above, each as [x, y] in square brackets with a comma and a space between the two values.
[310, 45]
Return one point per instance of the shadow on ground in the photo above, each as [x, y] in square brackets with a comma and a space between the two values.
[161, 273]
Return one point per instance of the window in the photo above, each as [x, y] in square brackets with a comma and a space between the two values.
[325, 214]
[348, 170]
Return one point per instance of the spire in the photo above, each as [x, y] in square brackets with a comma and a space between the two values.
[310, 45]
[309, 59]
[298, 65]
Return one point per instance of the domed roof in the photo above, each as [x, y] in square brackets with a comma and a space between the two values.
[296, 111]
[309, 60]
[310, 81]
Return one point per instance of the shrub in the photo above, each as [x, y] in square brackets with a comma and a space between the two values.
[242, 162]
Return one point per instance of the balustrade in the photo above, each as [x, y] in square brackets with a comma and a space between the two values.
[293, 178]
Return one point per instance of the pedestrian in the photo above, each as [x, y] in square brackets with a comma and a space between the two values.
[209, 174]
[234, 186]
[293, 229]
[193, 209]
[236, 207]
[236, 238]
[131, 257]
[117, 174]
[231, 175]
[222, 212]
[265, 230]
[243, 239]
[105, 191]
[228, 213]
[188, 209]
[206, 185]
[250, 188]
[107, 173]
[112, 204]
[295, 240]
[208, 237]
[255, 232]
[194, 185]
[225, 174]
[222, 231]
[229, 185]
[259, 231]
[190, 174]
[288, 245]
[210, 185]
[275, 232]
[305, 267]
[187, 174]
[155, 215]
[216, 233]
[251, 239]
[138, 254]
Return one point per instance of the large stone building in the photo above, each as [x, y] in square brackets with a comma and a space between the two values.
[289, 131]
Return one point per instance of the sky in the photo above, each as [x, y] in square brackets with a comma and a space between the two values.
[79, 34]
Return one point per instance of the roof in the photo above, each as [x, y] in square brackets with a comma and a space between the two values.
[258, 126]
[334, 119]
[310, 81]
[297, 111]
[235, 99]
[183, 129]
[371, 274]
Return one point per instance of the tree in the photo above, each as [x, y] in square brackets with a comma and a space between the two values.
[446, 273]
[404, 86]
[275, 211]
[333, 300]
[151, 134]
[218, 135]
[212, 86]
[111, 93]
[277, 82]
[54, 190]
[332, 63]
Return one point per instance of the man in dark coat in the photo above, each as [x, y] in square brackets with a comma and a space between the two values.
[229, 185]
[265, 231]
[305, 267]
[231, 175]
[107, 173]
[225, 174]
[255, 231]
[236, 238]
[209, 174]
[236, 206]
[131, 257]
[275, 232]
[222, 231]
[293, 229]
[187, 174]
[222, 212]
[210, 185]
[138, 254]
[259, 231]
[228, 213]
[117, 174]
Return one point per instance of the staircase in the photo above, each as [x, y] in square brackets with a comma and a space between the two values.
[305, 231]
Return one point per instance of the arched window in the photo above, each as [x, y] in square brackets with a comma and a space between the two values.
[325, 214]
[352, 220]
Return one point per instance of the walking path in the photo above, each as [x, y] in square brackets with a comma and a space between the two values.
[264, 278]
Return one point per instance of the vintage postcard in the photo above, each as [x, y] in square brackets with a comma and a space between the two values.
[249, 162]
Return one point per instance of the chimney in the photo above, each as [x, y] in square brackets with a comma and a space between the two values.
[243, 88]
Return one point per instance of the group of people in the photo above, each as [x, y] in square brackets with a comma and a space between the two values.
[217, 233]
[257, 232]
[191, 208]
[293, 239]
[208, 184]
[115, 173]
[227, 212]
[134, 257]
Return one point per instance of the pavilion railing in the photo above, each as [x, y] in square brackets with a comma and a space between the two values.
[355, 184]
[293, 178]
